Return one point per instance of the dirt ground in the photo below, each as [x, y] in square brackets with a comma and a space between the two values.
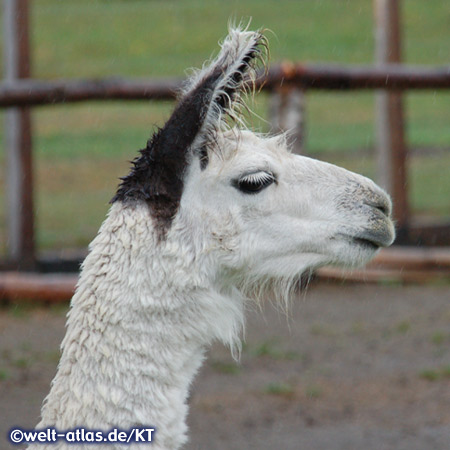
[354, 367]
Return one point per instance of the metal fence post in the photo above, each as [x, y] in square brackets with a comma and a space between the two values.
[18, 140]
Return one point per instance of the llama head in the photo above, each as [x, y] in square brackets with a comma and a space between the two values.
[262, 212]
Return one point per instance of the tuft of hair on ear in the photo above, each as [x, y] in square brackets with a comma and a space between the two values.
[229, 77]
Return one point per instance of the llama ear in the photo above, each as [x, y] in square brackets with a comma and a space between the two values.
[217, 88]
[210, 95]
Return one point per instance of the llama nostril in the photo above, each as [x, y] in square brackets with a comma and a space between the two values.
[383, 209]
[382, 204]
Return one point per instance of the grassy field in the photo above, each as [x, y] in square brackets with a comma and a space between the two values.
[81, 150]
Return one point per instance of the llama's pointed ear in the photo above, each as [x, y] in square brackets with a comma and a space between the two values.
[210, 95]
[218, 87]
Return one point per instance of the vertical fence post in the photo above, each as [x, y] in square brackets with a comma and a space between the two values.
[287, 113]
[20, 217]
[390, 140]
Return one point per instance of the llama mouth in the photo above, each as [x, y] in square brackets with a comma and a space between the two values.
[366, 243]
[370, 240]
[374, 238]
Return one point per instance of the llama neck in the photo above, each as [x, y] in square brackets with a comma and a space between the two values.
[139, 323]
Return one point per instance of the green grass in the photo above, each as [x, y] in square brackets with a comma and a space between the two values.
[158, 38]
[81, 150]
[281, 389]
[442, 373]
[403, 327]
[4, 374]
[438, 338]
[270, 349]
[225, 367]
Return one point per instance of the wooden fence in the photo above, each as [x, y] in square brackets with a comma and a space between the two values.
[287, 83]
[284, 81]
[29, 92]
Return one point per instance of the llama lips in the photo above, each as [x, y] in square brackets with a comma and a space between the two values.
[379, 237]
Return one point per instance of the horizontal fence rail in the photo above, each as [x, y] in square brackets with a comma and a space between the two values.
[29, 92]
[36, 92]
[335, 77]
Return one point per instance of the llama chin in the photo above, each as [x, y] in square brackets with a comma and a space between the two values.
[209, 214]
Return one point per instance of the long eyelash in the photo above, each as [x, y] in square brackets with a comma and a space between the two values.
[257, 177]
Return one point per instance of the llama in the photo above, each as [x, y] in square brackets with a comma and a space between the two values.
[209, 211]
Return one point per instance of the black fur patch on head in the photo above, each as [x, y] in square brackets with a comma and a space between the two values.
[157, 174]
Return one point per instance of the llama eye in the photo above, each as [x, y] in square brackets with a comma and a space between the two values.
[254, 182]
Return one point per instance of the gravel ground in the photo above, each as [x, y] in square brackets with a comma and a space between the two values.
[352, 367]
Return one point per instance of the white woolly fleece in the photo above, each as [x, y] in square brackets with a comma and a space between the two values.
[136, 333]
